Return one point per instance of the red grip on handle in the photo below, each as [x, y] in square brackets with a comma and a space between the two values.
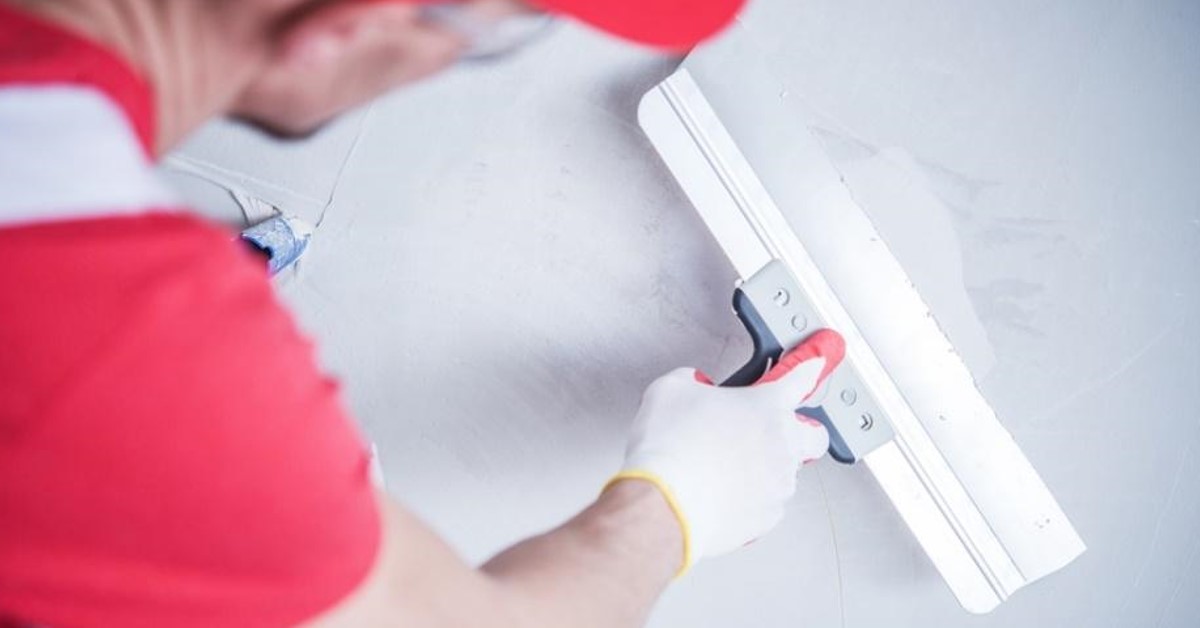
[823, 343]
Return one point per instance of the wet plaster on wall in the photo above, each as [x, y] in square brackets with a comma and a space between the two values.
[503, 264]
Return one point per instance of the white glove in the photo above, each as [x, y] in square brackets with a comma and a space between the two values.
[726, 458]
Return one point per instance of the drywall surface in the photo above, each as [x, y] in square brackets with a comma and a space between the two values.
[502, 264]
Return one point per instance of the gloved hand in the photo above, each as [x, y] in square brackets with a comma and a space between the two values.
[726, 458]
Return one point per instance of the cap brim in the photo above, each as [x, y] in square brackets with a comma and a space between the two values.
[670, 24]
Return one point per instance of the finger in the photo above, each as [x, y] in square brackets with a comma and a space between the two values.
[757, 523]
[807, 440]
[663, 387]
[792, 383]
[791, 374]
[804, 418]
[823, 343]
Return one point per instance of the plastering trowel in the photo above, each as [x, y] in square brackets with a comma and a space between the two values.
[902, 403]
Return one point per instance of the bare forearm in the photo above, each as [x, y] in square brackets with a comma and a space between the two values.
[603, 568]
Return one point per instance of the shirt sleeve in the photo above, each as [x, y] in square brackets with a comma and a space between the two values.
[170, 455]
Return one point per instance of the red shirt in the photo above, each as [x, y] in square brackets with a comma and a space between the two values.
[169, 453]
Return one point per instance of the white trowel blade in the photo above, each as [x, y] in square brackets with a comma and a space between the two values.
[954, 474]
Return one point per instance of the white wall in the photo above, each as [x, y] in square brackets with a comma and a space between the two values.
[502, 265]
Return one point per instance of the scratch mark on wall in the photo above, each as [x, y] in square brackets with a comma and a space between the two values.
[1187, 567]
[337, 180]
[1162, 514]
[837, 556]
[1094, 385]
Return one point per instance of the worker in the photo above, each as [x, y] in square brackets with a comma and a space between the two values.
[170, 454]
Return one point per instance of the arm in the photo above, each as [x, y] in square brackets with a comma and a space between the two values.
[604, 567]
[707, 470]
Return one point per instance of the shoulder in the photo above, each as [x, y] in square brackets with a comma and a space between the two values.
[170, 452]
[181, 460]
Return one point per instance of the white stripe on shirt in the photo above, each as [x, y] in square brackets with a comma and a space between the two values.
[69, 152]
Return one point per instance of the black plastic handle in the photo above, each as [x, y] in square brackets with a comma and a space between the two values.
[767, 351]
[838, 449]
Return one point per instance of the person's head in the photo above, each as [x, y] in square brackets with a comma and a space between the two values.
[323, 57]
[329, 55]
[289, 66]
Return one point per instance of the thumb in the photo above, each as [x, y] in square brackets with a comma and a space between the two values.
[800, 371]
[807, 439]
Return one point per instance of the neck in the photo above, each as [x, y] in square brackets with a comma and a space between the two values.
[196, 57]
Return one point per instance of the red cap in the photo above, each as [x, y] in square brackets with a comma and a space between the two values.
[670, 24]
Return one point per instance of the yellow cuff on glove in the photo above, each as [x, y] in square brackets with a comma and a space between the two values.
[646, 476]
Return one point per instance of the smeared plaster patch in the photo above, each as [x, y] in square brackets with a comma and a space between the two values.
[255, 210]
[258, 199]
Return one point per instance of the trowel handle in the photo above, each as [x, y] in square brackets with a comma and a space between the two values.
[767, 351]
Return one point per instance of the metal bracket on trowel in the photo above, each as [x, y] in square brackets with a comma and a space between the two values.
[779, 315]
